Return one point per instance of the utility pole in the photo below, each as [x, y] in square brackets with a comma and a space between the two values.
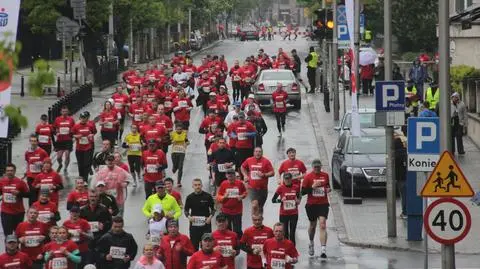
[189, 23]
[336, 97]
[130, 46]
[110, 32]
[448, 251]
[356, 44]
[391, 180]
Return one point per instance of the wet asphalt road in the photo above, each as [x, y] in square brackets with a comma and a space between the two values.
[299, 134]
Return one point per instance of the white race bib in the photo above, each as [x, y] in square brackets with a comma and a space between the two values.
[178, 148]
[117, 252]
[59, 263]
[237, 78]
[9, 198]
[43, 139]
[75, 234]
[108, 125]
[44, 216]
[64, 130]
[32, 241]
[255, 175]
[232, 193]
[289, 204]
[258, 246]
[206, 89]
[137, 117]
[226, 250]
[152, 168]
[94, 226]
[198, 221]
[277, 263]
[135, 147]
[222, 168]
[318, 192]
[155, 239]
[118, 105]
[242, 136]
[83, 140]
[35, 167]
[183, 103]
[279, 105]
[167, 104]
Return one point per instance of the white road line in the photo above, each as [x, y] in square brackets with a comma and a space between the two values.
[351, 266]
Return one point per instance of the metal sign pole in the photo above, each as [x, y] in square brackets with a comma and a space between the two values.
[344, 84]
[336, 100]
[64, 48]
[425, 236]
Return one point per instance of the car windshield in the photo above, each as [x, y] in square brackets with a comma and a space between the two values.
[249, 30]
[367, 120]
[367, 145]
[277, 76]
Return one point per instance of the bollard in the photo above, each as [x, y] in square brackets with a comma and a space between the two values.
[9, 157]
[58, 86]
[76, 74]
[65, 62]
[22, 87]
[31, 65]
[50, 116]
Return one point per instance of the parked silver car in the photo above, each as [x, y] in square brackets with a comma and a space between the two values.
[266, 84]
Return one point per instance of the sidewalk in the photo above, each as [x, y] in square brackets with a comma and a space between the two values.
[365, 225]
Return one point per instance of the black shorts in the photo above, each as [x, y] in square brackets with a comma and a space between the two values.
[259, 195]
[64, 145]
[316, 211]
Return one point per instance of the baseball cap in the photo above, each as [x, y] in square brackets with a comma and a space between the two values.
[241, 115]
[172, 222]
[316, 162]
[100, 183]
[157, 208]
[287, 176]
[159, 184]
[11, 238]
[212, 94]
[455, 94]
[75, 209]
[237, 104]
[251, 96]
[83, 115]
[207, 237]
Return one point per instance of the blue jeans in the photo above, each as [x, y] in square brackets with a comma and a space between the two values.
[419, 87]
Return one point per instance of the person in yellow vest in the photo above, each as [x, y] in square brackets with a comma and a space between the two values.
[312, 61]
[368, 36]
[411, 95]
[179, 147]
[433, 95]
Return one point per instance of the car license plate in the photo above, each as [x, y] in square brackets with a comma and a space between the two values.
[379, 179]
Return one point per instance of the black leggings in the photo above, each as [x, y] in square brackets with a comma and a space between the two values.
[289, 226]
[236, 90]
[134, 162]
[11, 221]
[245, 92]
[84, 162]
[280, 116]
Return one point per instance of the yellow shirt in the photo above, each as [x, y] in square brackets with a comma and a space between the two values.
[134, 144]
[178, 138]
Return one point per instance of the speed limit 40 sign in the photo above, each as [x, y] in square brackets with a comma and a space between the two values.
[447, 221]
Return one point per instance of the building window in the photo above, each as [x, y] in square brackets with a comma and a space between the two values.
[461, 5]
[285, 2]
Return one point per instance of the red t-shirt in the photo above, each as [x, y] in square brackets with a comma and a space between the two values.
[75, 229]
[236, 74]
[151, 162]
[224, 100]
[177, 196]
[48, 179]
[153, 132]
[63, 127]
[279, 101]
[241, 129]
[254, 165]
[57, 256]
[34, 161]
[33, 245]
[44, 132]
[276, 252]
[294, 167]
[227, 242]
[231, 205]
[211, 122]
[318, 195]
[255, 237]
[164, 121]
[182, 114]
[120, 101]
[108, 118]
[19, 260]
[200, 259]
[12, 204]
[288, 207]
[79, 198]
[85, 142]
[137, 111]
[45, 212]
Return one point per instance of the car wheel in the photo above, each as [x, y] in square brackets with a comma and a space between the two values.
[297, 104]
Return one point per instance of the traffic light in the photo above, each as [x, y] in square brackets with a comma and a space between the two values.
[324, 24]
[330, 24]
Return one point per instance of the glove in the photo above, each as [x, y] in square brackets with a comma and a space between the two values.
[233, 135]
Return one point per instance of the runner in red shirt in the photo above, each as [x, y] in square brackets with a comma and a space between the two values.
[169, 189]
[225, 241]
[279, 99]
[256, 170]
[236, 75]
[84, 139]
[48, 180]
[280, 252]
[248, 78]
[207, 257]
[13, 258]
[230, 194]
[31, 235]
[62, 252]
[244, 133]
[288, 195]
[293, 166]
[154, 162]
[136, 110]
[13, 190]
[63, 143]
[34, 157]
[214, 104]
[121, 101]
[152, 131]
[252, 241]
[80, 232]
[47, 210]
[79, 196]
[181, 109]
[316, 185]
[175, 247]
[162, 119]
[44, 132]
[109, 122]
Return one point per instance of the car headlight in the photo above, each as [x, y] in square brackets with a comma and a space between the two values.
[354, 171]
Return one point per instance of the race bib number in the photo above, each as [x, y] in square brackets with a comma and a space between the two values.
[155, 239]
[60, 263]
[242, 136]
[237, 78]
[83, 140]
[75, 234]
[32, 241]
[35, 168]
[152, 168]
[183, 104]
[43, 139]
[9, 198]
[279, 105]
[94, 226]
[278, 263]
[198, 221]
[118, 105]
[117, 252]
[137, 117]
[44, 216]
[206, 89]
[178, 148]
[64, 130]
[258, 246]
[108, 125]
[226, 251]
[135, 147]
[289, 204]
[318, 192]
[233, 193]
[255, 175]
[167, 104]
[222, 168]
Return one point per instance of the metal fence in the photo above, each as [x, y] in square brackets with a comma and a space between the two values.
[5, 153]
[106, 74]
[75, 101]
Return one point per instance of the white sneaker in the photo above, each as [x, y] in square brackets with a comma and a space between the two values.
[311, 250]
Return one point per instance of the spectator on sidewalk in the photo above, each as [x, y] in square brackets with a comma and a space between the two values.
[367, 73]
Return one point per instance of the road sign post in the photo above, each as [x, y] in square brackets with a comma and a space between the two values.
[343, 36]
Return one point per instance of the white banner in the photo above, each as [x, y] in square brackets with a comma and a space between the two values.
[349, 10]
[9, 12]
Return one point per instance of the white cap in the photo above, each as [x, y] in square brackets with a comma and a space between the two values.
[251, 96]
[100, 183]
[90, 266]
[110, 100]
[157, 208]
[455, 94]
[212, 94]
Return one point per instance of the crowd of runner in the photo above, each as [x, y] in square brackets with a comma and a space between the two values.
[155, 107]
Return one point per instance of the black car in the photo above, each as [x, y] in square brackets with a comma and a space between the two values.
[249, 33]
[362, 158]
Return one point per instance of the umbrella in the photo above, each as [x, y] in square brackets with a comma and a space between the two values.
[367, 57]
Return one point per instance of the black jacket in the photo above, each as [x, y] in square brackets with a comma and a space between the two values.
[101, 215]
[109, 202]
[201, 204]
[298, 64]
[222, 156]
[262, 129]
[122, 240]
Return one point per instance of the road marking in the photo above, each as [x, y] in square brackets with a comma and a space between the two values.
[351, 266]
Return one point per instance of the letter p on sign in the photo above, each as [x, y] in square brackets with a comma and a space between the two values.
[426, 132]
[386, 89]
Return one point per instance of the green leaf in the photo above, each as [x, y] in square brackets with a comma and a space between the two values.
[14, 114]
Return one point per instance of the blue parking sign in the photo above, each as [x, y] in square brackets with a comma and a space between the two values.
[390, 95]
[423, 135]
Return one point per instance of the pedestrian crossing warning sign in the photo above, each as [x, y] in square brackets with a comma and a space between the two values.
[447, 180]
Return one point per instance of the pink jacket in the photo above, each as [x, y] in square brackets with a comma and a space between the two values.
[115, 182]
